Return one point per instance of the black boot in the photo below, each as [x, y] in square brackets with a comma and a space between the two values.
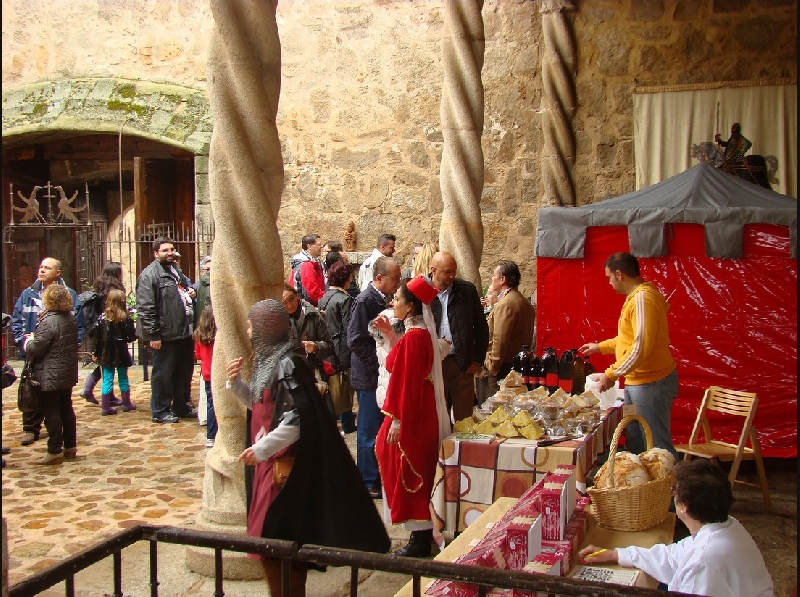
[418, 546]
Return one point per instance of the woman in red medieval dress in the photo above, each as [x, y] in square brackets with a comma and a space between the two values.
[416, 420]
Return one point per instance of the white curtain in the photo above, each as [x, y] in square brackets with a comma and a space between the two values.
[668, 121]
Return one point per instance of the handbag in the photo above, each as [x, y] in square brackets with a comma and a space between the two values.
[341, 391]
[281, 467]
[29, 391]
[9, 376]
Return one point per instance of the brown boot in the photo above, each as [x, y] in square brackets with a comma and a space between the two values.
[50, 459]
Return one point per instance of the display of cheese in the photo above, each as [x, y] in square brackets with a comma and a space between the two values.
[522, 418]
[658, 462]
[500, 415]
[485, 427]
[464, 426]
[532, 431]
[512, 380]
[506, 429]
[628, 472]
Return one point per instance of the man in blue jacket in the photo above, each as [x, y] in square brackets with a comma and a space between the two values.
[364, 365]
[23, 324]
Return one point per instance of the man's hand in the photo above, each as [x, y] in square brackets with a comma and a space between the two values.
[155, 344]
[310, 346]
[234, 368]
[191, 292]
[393, 436]
[589, 348]
[474, 368]
[605, 381]
[608, 555]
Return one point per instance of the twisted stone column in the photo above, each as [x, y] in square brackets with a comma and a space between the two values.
[246, 182]
[558, 103]
[461, 174]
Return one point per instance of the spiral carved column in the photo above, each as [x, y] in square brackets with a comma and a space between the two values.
[246, 182]
[558, 103]
[461, 174]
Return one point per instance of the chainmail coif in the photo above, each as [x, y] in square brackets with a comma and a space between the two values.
[270, 337]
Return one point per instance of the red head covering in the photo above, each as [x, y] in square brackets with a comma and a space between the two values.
[422, 289]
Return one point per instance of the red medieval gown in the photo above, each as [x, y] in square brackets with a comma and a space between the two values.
[408, 467]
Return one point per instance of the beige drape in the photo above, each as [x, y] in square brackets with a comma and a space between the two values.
[667, 121]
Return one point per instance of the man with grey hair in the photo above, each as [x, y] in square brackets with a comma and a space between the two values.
[202, 288]
[383, 248]
[23, 322]
[364, 365]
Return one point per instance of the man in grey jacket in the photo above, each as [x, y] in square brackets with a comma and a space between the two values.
[165, 321]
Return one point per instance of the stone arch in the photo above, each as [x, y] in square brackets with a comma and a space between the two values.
[170, 114]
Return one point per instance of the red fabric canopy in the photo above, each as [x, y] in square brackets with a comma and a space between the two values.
[733, 322]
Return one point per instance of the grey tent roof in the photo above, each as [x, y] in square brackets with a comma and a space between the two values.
[700, 195]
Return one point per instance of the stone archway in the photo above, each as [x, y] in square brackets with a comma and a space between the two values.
[170, 114]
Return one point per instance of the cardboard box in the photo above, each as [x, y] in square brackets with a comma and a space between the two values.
[489, 554]
[554, 509]
[568, 471]
[544, 563]
[523, 541]
[563, 551]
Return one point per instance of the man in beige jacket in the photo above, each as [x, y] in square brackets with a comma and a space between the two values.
[511, 324]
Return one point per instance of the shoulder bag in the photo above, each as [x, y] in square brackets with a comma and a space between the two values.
[29, 390]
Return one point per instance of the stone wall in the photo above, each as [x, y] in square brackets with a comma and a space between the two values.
[359, 110]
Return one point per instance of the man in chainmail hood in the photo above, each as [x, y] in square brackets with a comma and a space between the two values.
[323, 500]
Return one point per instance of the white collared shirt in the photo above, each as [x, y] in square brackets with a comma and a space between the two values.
[720, 560]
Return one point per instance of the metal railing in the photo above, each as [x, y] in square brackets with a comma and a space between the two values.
[291, 553]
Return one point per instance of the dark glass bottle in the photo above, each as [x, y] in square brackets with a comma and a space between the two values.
[565, 371]
[542, 379]
[588, 369]
[533, 372]
[551, 369]
[524, 359]
[578, 375]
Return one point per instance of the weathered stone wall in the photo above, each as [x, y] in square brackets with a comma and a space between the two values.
[359, 110]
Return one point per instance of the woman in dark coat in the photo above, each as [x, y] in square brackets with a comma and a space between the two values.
[336, 303]
[323, 500]
[110, 279]
[53, 346]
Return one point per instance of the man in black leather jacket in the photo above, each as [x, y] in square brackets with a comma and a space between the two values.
[465, 328]
[165, 321]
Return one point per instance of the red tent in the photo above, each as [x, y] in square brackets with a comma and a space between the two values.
[724, 254]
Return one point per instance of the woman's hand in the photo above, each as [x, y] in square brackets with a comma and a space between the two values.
[606, 556]
[310, 346]
[393, 436]
[248, 456]
[382, 324]
[234, 369]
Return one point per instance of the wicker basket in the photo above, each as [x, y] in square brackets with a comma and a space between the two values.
[632, 508]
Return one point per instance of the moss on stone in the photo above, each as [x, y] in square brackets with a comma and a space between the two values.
[126, 90]
[39, 109]
[139, 110]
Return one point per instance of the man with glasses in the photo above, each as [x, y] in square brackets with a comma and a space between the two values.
[307, 277]
[364, 365]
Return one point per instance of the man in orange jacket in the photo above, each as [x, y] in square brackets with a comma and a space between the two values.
[641, 348]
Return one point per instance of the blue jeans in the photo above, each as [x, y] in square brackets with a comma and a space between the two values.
[654, 403]
[370, 419]
[211, 417]
[108, 380]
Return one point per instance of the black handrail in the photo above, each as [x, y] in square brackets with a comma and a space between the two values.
[290, 552]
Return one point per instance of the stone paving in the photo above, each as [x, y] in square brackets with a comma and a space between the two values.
[130, 470]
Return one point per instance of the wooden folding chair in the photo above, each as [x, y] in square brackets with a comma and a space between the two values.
[732, 402]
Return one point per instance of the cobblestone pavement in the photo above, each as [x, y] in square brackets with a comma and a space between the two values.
[130, 470]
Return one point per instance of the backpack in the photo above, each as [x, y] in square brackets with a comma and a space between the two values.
[90, 302]
[295, 281]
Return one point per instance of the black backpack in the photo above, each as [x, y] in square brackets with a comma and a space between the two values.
[90, 302]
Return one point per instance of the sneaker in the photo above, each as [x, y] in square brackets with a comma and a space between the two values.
[192, 414]
[209, 443]
[28, 438]
[168, 418]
